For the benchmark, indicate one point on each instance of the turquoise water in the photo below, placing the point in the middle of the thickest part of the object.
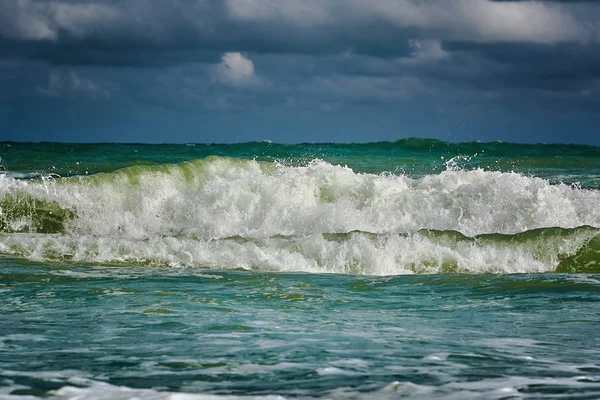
(414, 269)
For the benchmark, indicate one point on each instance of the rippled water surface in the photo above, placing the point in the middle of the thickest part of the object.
(414, 269)
(71, 331)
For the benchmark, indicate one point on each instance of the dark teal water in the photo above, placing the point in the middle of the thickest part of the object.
(414, 157)
(414, 269)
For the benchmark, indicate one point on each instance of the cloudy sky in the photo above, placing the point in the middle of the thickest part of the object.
(299, 70)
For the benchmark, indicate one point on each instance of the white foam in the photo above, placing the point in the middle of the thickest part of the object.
(104, 391)
(388, 254)
(174, 215)
(492, 388)
(222, 197)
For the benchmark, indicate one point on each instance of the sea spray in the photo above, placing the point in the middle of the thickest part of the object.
(285, 216)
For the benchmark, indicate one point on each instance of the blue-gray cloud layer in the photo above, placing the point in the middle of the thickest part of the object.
(456, 69)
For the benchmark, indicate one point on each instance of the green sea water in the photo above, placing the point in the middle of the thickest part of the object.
(413, 269)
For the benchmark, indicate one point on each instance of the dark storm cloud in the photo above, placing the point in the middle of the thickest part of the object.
(561, 67)
(143, 32)
(93, 53)
(220, 56)
(83, 31)
(520, 42)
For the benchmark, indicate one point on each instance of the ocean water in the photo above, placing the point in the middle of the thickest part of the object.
(410, 269)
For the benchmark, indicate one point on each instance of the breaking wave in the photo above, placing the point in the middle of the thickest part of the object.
(222, 212)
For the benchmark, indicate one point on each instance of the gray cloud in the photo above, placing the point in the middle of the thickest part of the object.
(45, 20)
(93, 32)
(476, 20)
(228, 55)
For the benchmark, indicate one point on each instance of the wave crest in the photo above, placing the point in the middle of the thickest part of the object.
(196, 204)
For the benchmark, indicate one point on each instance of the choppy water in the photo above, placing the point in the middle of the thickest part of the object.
(417, 269)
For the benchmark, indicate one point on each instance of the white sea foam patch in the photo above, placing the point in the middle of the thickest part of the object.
(94, 390)
(353, 253)
(221, 197)
(103, 391)
(491, 388)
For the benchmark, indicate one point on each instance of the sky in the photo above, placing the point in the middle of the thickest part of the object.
(290, 71)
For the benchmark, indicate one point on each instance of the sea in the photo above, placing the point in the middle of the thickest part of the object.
(415, 269)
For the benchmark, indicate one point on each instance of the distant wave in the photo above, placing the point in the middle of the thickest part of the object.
(414, 157)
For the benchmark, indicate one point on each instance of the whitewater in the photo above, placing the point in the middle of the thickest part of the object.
(222, 212)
